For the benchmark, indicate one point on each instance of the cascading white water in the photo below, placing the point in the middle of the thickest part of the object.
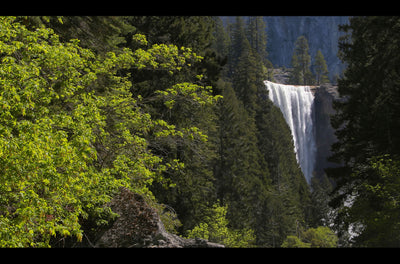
(296, 104)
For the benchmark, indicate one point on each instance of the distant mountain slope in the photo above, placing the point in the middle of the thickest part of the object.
(322, 33)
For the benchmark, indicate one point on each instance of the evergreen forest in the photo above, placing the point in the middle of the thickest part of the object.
(174, 108)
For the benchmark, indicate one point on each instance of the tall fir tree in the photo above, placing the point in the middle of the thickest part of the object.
(295, 76)
(238, 43)
(301, 63)
(221, 41)
(240, 176)
(320, 69)
(366, 124)
(257, 36)
(246, 80)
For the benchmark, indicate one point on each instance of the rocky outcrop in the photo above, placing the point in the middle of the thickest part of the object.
(140, 226)
(324, 97)
(281, 75)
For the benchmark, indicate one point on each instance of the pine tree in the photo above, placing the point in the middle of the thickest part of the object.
(221, 38)
(295, 76)
(320, 212)
(98, 33)
(301, 62)
(246, 80)
(321, 70)
(238, 43)
(274, 192)
(366, 126)
(257, 36)
(289, 199)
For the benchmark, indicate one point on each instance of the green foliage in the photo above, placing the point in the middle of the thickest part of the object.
(241, 182)
(295, 75)
(256, 169)
(215, 228)
(288, 200)
(90, 104)
(367, 126)
(48, 126)
(184, 102)
(100, 34)
(320, 237)
(301, 62)
(294, 242)
(71, 133)
(321, 70)
(375, 208)
(320, 212)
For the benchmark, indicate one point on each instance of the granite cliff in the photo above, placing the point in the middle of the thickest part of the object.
(322, 33)
(324, 97)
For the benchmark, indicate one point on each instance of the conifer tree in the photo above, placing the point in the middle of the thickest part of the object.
(257, 36)
(280, 197)
(118, 108)
(295, 74)
(246, 79)
(238, 42)
(367, 125)
(301, 62)
(98, 33)
(221, 41)
(320, 68)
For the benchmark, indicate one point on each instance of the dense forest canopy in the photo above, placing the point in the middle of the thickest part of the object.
(174, 108)
(367, 192)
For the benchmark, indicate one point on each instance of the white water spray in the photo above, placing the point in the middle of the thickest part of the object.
(296, 104)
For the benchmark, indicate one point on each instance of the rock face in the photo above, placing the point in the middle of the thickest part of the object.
(321, 32)
(281, 76)
(140, 226)
(325, 134)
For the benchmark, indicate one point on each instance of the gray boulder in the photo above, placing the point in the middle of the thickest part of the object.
(140, 226)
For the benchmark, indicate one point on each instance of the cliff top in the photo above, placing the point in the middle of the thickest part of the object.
(281, 76)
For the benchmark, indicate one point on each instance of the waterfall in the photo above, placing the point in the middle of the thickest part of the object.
(296, 104)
